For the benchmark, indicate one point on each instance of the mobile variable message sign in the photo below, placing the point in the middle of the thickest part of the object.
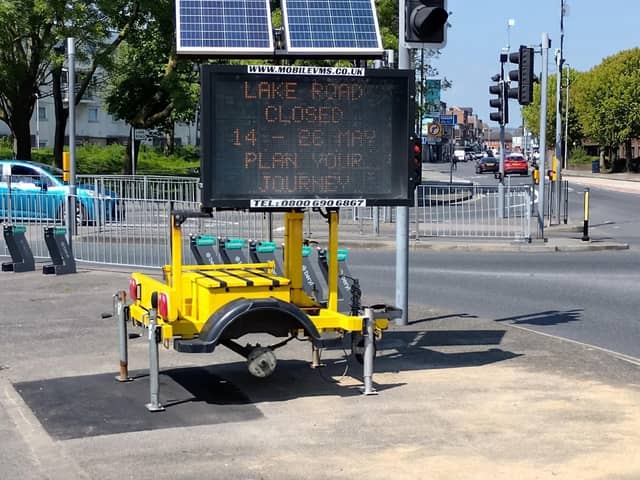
(284, 137)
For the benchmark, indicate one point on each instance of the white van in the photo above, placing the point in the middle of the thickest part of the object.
(459, 154)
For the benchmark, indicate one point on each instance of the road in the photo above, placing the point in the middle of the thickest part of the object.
(589, 297)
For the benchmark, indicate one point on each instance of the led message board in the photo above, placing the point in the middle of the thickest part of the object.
(281, 137)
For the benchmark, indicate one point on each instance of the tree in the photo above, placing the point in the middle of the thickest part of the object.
(609, 104)
(30, 58)
(98, 29)
(150, 87)
(26, 38)
(531, 113)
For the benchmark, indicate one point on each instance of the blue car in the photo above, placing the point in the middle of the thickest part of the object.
(38, 193)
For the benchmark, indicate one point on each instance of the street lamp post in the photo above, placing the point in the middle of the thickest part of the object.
(510, 23)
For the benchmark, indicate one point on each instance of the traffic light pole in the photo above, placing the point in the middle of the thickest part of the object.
(542, 147)
(505, 109)
(402, 214)
(501, 202)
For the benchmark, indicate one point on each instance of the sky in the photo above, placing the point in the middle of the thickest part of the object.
(593, 30)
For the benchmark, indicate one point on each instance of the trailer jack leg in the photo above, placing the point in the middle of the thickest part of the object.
(369, 352)
(154, 404)
(120, 312)
(315, 356)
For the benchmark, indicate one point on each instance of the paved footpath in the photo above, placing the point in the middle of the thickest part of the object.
(460, 397)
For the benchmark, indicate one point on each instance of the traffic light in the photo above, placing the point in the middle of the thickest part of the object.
(501, 102)
(524, 75)
(425, 23)
(416, 159)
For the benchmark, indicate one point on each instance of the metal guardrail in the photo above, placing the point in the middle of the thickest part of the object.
(151, 187)
(459, 210)
(116, 227)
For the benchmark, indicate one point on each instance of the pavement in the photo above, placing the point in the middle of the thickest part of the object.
(459, 397)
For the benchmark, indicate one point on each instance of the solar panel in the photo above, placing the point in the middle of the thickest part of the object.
(223, 27)
(331, 26)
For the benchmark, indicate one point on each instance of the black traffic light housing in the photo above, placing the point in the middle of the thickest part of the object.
(524, 75)
(501, 102)
(425, 23)
(416, 159)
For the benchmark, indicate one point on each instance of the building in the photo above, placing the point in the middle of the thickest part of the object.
(93, 124)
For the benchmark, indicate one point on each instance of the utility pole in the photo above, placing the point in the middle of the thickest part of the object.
(542, 147)
(560, 156)
(558, 145)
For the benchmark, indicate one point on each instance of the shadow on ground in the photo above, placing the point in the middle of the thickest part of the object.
(546, 318)
(83, 406)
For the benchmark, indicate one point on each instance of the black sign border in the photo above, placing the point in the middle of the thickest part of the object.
(402, 153)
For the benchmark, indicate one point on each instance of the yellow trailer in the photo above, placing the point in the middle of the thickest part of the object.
(199, 307)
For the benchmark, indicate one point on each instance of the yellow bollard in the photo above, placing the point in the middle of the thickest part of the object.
(585, 227)
(66, 166)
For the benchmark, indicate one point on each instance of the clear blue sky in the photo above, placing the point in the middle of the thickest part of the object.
(593, 30)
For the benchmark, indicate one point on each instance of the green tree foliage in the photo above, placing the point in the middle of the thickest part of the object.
(27, 36)
(531, 113)
(150, 87)
(388, 21)
(608, 102)
(31, 31)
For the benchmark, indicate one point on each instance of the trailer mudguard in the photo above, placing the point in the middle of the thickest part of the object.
(248, 315)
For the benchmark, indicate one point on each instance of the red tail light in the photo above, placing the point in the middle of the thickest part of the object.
(133, 290)
(163, 305)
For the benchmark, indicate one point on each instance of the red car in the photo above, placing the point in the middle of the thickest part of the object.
(515, 163)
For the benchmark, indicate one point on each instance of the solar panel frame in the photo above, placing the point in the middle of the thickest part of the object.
(338, 31)
(224, 28)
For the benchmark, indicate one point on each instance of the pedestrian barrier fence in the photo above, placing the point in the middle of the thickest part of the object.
(126, 221)
(150, 187)
(461, 210)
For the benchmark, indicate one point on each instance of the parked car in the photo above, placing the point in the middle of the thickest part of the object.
(487, 164)
(515, 163)
(38, 193)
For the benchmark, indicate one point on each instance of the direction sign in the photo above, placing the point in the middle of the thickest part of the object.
(448, 119)
(139, 134)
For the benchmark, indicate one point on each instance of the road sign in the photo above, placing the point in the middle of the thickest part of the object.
(448, 119)
(140, 134)
(299, 138)
(434, 129)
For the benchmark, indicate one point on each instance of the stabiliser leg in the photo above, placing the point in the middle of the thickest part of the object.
(120, 312)
(369, 352)
(154, 404)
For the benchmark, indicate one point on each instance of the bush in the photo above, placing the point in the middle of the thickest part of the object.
(108, 160)
(579, 156)
(100, 160)
(152, 161)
